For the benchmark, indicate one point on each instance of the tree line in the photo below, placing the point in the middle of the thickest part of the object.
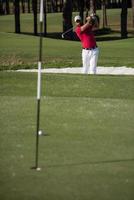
(7, 7)
(67, 7)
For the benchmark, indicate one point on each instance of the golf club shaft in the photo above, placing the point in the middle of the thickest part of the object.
(68, 31)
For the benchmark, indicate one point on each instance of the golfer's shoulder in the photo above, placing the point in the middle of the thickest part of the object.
(86, 27)
(78, 29)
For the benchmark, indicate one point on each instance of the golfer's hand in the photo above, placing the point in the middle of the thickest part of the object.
(89, 19)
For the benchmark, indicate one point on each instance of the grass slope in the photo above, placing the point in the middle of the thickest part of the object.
(21, 51)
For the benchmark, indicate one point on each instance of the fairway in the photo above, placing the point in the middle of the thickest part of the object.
(88, 152)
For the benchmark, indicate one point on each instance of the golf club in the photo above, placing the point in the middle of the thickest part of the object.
(69, 30)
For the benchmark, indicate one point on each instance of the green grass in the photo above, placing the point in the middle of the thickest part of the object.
(88, 153)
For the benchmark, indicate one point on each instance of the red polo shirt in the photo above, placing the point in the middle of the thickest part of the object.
(87, 37)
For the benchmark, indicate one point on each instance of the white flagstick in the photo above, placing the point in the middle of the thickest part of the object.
(41, 10)
(39, 86)
(39, 81)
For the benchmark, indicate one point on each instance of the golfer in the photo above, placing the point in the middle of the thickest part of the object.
(90, 50)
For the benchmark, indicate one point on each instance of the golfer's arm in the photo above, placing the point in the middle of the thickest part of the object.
(85, 26)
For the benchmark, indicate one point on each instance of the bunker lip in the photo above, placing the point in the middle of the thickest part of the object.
(78, 70)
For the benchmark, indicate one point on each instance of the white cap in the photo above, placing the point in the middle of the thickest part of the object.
(77, 18)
